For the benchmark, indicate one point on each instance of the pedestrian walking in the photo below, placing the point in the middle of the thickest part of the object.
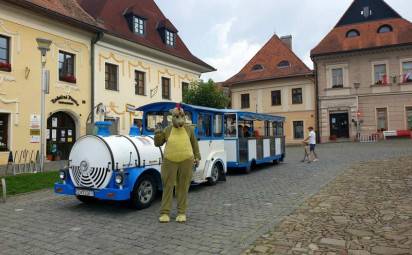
(306, 157)
(312, 144)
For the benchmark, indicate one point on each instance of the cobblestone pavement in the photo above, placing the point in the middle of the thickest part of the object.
(224, 219)
(367, 210)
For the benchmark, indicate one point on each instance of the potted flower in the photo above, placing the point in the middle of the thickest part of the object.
(68, 78)
(4, 66)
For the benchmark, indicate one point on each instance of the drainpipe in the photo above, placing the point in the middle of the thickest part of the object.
(317, 102)
(96, 39)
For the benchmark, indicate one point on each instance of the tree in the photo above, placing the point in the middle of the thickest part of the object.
(205, 94)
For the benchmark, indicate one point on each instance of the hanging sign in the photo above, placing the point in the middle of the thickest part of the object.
(65, 99)
(130, 108)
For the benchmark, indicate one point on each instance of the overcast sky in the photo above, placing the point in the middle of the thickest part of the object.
(228, 33)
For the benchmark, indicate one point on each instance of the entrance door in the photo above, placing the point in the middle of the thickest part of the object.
(61, 136)
(339, 125)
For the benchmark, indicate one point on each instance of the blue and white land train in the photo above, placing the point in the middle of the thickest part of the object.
(127, 168)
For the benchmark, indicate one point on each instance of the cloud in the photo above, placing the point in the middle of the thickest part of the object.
(230, 56)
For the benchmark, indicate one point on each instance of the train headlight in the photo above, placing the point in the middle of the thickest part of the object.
(119, 179)
(62, 175)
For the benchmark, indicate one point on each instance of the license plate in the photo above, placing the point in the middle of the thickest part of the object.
(84, 192)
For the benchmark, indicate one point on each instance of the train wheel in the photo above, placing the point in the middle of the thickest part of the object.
(143, 193)
(215, 175)
(86, 200)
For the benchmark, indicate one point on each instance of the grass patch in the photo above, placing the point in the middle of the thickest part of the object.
(24, 183)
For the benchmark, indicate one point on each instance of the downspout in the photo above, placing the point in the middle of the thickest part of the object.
(317, 102)
(96, 39)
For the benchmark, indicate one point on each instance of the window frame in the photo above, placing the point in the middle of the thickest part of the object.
(141, 23)
(294, 102)
(109, 81)
(243, 100)
(139, 89)
(7, 64)
(389, 27)
(257, 68)
(164, 95)
(349, 33)
(211, 131)
(386, 120)
(407, 109)
(302, 136)
(6, 130)
(283, 66)
(214, 126)
(280, 97)
(383, 81)
(66, 76)
(335, 86)
(170, 38)
(403, 78)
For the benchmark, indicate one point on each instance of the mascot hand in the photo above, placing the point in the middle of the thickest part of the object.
(196, 162)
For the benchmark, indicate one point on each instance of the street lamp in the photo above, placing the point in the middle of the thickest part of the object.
(44, 47)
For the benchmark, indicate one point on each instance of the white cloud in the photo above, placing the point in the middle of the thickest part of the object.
(230, 57)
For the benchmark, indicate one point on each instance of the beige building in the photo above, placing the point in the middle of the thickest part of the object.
(140, 59)
(364, 73)
(275, 81)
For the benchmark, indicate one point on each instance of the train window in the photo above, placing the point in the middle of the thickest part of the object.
(157, 120)
(204, 125)
(230, 125)
(218, 125)
(280, 128)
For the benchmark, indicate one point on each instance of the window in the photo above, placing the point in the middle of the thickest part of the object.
(204, 125)
(385, 29)
(66, 67)
(230, 125)
(382, 119)
(257, 67)
(245, 103)
(297, 96)
(165, 88)
(337, 78)
(352, 33)
(298, 130)
(4, 132)
(170, 38)
(380, 74)
(139, 25)
(407, 72)
(139, 88)
(185, 88)
(218, 125)
(283, 64)
(158, 120)
(111, 77)
(5, 54)
(276, 97)
(408, 118)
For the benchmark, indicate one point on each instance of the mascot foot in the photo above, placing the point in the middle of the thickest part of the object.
(181, 218)
(164, 218)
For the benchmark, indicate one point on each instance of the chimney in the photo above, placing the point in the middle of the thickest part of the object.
(287, 40)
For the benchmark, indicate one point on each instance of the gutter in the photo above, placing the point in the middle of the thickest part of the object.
(318, 120)
(93, 43)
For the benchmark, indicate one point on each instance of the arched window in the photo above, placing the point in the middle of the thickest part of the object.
(283, 64)
(385, 29)
(352, 33)
(257, 67)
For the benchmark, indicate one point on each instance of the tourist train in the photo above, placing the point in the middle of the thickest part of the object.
(127, 168)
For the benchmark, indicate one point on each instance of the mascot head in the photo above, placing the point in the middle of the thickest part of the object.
(178, 116)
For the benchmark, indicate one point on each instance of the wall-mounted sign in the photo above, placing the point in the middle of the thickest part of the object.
(130, 108)
(34, 128)
(65, 99)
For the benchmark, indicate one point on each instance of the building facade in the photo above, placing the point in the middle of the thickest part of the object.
(275, 81)
(364, 73)
(68, 101)
(139, 60)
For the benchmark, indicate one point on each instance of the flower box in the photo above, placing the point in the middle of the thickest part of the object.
(5, 67)
(68, 78)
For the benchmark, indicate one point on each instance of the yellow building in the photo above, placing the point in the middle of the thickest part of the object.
(140, 59)
(275, 81)
(69, 100)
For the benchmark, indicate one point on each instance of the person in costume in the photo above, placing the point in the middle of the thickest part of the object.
(180, 154)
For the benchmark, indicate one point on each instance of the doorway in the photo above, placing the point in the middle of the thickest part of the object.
(339, 125)
(61, 135)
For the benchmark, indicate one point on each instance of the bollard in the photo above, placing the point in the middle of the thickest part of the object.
(3, 185)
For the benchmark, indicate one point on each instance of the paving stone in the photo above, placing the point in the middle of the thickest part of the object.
(390, 250)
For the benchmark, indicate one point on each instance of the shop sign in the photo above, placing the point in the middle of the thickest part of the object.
(130, 108)
(65, 99)
(34, 128)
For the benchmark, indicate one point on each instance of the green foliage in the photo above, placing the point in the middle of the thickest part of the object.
(24, 183)
(205, 94)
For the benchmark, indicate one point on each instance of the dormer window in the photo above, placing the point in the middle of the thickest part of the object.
(170, 38)
(352, 33)
(139, 25)
(257, 67)
(385, 29)
(284, 64)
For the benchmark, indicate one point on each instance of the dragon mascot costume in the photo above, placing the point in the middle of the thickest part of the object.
(180, 155)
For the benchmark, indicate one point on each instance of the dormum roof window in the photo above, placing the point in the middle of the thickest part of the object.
(283, 64)
(257, 67)
(139, 25)
(168, 32)
(385, 29)
(170, 38)
(352, 33)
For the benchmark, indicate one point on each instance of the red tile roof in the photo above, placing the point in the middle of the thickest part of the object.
(112, 14)
(67, 10)
(336, 41)
(272, 53)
